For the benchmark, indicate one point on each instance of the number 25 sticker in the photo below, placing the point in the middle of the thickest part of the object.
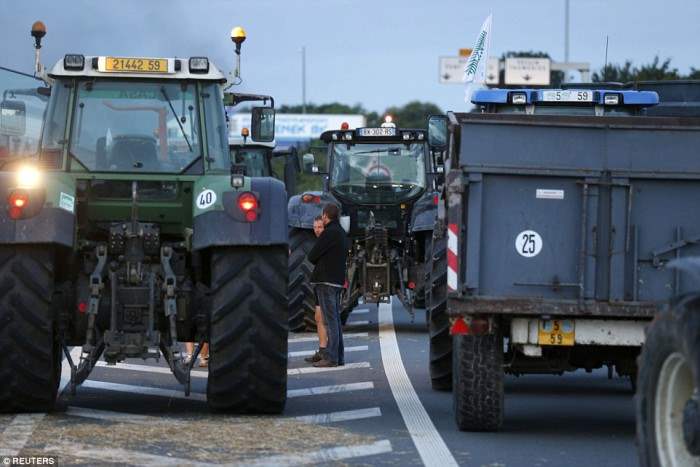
(528, 243)
(206, 199)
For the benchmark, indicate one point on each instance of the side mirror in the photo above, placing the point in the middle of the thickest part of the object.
(13, 117)
(437, 132)
(263, 124)
(309, 163)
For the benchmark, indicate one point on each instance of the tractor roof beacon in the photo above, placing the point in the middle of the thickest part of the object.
(384, 180)
(129, 233)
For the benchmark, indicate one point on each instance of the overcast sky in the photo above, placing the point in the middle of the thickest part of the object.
(373, 52)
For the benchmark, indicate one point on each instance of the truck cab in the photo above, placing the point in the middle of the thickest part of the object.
(255, 159)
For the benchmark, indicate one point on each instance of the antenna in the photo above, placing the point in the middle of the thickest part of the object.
(605, 68)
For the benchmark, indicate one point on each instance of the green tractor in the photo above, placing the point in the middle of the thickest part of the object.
(130, 232)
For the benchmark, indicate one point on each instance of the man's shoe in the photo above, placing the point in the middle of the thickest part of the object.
(317, 357)
(325, 363)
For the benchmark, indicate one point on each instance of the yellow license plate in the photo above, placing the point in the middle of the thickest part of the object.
(556, 332)
(136, 65)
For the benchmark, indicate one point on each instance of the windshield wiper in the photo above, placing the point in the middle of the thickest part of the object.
(179, 123)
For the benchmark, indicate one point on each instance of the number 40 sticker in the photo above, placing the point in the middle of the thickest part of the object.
(528, 243)
(206, 198)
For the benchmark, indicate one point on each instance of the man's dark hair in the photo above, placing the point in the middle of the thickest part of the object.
(331, 211)
(318, 218)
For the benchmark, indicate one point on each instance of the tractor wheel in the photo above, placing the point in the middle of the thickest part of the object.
(478, 382)
(30, 366)
(248, 330)
(439, 324)
(302, 302)
(667, 401)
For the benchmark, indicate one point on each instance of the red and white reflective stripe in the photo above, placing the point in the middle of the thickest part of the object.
(452, 263)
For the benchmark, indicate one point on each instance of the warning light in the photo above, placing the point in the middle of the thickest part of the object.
(248, 204)
(345, 126)
(82, 307)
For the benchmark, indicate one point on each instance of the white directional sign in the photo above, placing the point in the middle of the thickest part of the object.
(492, 70)
(452, 70)
(527, 71)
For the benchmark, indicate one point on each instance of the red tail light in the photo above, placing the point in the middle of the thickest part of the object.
(248, 204)
(17, 201)
(436, 200)
(411, 285)
(309, 198)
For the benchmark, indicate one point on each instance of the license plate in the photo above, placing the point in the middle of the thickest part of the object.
(572, 95)
(377, 131)
(136, 65)
(556, 332)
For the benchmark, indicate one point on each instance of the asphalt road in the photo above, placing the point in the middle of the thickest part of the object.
(376, 410)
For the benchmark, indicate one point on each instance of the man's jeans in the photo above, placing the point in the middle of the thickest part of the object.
(329, 301)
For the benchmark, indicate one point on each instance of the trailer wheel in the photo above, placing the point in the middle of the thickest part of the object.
(248, 330)
(478, 382)
(30, 366)
(439, 324)
(667, 404)
(302, 302)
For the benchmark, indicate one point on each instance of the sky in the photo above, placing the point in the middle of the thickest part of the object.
(372, 52)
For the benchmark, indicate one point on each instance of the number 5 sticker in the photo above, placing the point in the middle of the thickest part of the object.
(528, 243)
(206, 199)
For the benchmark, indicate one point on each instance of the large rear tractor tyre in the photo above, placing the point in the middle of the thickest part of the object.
(248, 330)
(438, 322)
(478, 382)
(30, 354)
(667, 402)
(302, 301)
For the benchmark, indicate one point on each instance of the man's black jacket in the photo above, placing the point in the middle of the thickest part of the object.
(329, 255)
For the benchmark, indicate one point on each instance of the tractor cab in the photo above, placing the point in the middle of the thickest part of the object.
(588, 100)
(377, 166)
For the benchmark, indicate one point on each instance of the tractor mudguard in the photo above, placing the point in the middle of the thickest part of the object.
(227, 226)
(50, 220)
(301, 214)
(424, 213)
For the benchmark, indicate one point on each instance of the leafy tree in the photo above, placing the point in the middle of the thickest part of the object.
(694, 73)
(412, 115)
(657, 70)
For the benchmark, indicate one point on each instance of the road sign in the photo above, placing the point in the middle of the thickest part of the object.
(452, 70)
(493, 71)
(527, 71)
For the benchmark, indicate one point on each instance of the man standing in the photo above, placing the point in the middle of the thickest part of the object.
(329, 255)
(320, 327)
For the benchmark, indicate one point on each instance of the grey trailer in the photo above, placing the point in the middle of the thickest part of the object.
(559, 230)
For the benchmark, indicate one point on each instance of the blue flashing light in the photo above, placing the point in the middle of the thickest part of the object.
(534, 96)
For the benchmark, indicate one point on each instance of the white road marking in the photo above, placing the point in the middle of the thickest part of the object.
(334, 389)
(119, 417)
(144, 390)
(204, 374)
(200, 397)
(311, 369)
(124, 417)
(17, 433)
(150, 369)
(344, 416)
(431, 447)
(116, 455)
(314, 337)
(360, 311)
(324, 456)
(15, 436)
(351, 324)
(308, 353)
